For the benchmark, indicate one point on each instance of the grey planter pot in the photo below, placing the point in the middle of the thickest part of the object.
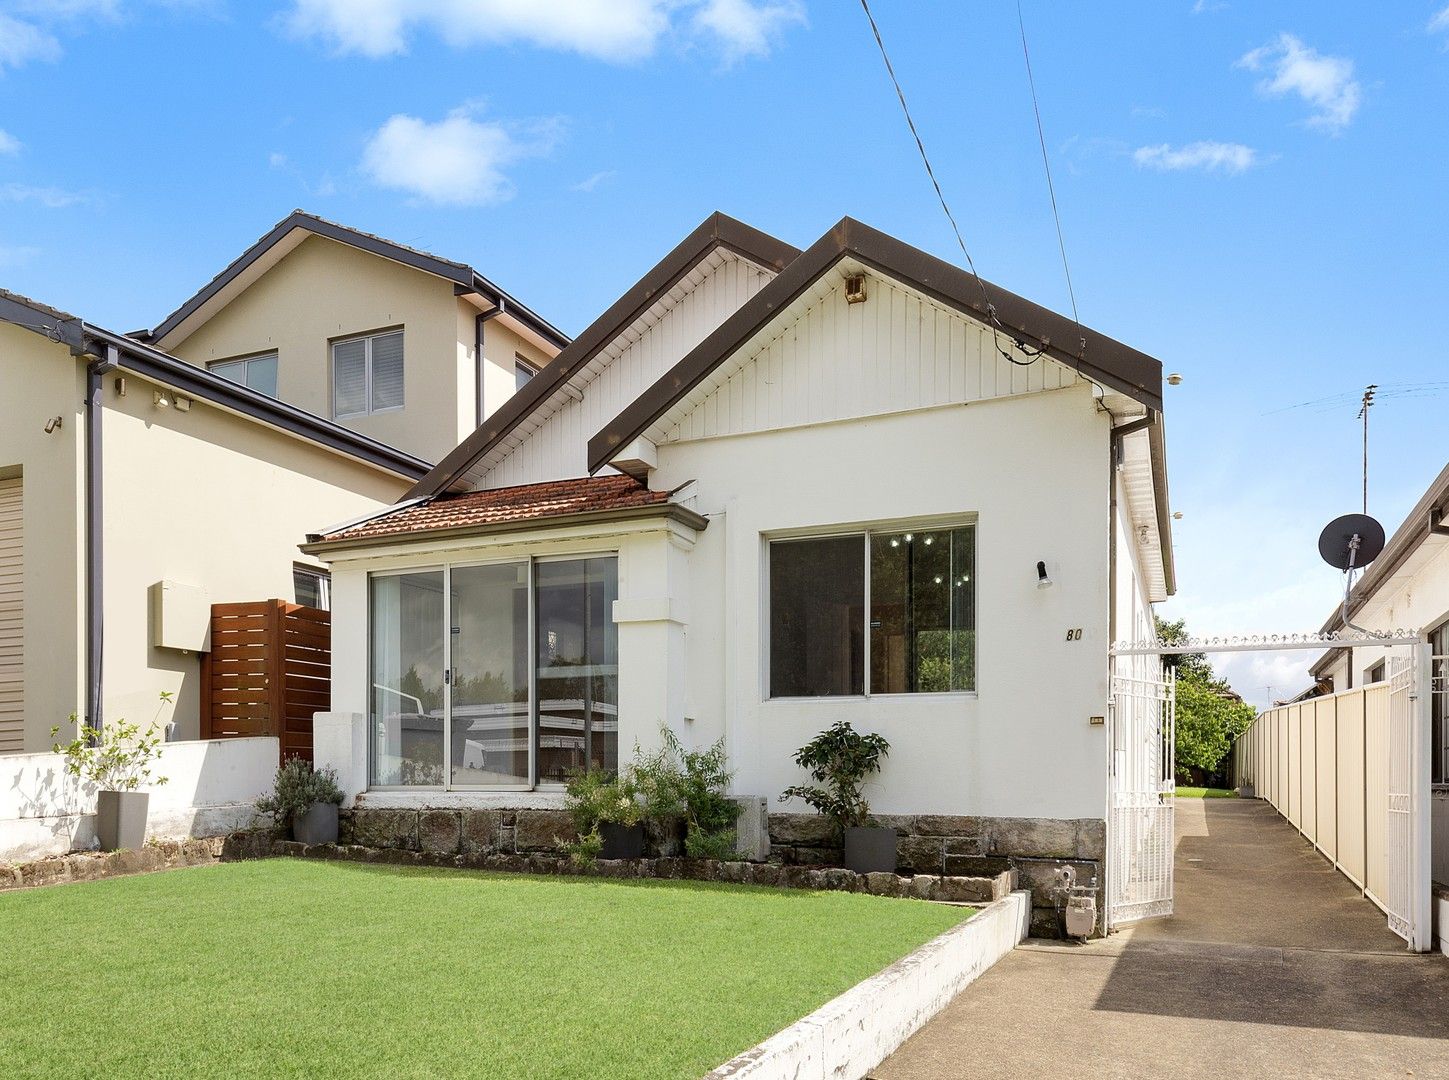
(318, 825)
(121, 819)
(870, 849)
(621, 841)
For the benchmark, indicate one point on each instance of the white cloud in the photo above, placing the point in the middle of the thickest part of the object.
(16, 256)
(50, 197)
(1230, 158)
(1207, 7)
(594, 181)
(458, 160)
(618, 31)
(9, 144)
(1440, 22)
(746, 29)
(22, 42)
(1324, 82)
(277, 160)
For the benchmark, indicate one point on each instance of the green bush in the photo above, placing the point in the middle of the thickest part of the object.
(840, 758)
(118, 758)
(297, 788)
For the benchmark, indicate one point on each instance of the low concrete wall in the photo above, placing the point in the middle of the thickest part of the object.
(848, 1037)
(211, 786)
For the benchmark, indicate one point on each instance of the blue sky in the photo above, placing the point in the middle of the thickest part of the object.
(1252, 192)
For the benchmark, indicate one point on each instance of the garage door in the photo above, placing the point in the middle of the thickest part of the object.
(12, 619)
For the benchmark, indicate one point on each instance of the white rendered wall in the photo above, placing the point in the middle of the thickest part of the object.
(210, 790)
(1032, 471)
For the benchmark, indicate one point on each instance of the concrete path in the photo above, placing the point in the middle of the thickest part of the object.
(1273, 966)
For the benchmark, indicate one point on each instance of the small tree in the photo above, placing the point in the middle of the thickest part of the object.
(839, 758)
(1209, 715)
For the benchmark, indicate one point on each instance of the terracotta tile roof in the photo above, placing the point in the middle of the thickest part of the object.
(510, 505)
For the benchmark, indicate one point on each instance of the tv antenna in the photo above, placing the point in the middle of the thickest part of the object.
(1363, 414)
(1350, 543)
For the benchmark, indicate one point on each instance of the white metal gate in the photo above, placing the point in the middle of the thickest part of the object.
(1140, 829)
(1406, 832)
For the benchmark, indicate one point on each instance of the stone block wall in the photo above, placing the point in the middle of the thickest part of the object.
(951, 845)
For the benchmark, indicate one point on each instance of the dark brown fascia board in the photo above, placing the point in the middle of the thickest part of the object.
(1157, 439)
(1417, 527)
(665, 511)
(716, 231)
(1111, 363)
(464, 277)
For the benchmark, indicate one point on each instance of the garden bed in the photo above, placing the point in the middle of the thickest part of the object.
(295, 966)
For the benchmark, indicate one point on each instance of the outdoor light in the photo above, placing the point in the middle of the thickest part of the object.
(895, 542)
(1174, 379)
(160, 400)
(1042, 580)
(929, 540)
(53, 423)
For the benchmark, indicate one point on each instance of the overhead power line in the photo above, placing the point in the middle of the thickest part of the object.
(1047, 166)
(995, 322)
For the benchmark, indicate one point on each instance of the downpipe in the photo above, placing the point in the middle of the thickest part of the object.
(96, 371)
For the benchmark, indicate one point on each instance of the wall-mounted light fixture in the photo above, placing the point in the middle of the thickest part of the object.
(1043, 579)
(161, 399)
(53, 423)
(183, 404)
(1174, 379)
(121, 385)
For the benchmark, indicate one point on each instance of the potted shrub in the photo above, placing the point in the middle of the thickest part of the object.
(117, 760)
(607, 816)
(306, 800)
(839, 760)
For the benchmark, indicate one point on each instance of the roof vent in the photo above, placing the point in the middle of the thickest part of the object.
(855, 289)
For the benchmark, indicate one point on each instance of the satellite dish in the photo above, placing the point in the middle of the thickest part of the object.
(1351, 542)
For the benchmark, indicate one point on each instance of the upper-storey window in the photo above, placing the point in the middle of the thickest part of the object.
(258, 373)
(523, 370)
(367, 374)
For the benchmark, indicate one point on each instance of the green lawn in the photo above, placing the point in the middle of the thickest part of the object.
(293, 968)
(1205, 793)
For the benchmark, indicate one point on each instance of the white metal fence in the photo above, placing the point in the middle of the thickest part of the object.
(1351, 773)
(1140, 829)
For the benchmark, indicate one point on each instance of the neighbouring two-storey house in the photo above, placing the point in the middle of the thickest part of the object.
(146, 477)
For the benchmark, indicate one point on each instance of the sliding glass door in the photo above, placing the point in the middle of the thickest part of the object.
(499, 676)
(489, 713)
(408, 670)
(578, 666)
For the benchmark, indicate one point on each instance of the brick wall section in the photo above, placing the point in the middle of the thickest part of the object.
(969, 846)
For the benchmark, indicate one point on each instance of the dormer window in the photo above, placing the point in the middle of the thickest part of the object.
(367, 375)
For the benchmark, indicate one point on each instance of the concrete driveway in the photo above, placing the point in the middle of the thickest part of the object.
(1273, 966)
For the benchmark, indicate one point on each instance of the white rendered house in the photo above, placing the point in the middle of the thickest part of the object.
(768, 490)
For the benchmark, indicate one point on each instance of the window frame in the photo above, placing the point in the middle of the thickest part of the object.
(323, 576)
(247, 359)
(864, 531)
(366, 338)
(522, 362)
(1438, 640)
(446, 567)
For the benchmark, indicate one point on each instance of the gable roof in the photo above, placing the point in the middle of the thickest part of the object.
(1096, 356)
(511, 508)
(715, 232)
(85, 339)
(466, 280)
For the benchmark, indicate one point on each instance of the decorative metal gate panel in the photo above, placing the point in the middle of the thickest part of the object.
(1406, 724)
(1140, 829)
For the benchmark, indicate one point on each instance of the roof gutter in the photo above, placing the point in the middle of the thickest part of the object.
(164, 368)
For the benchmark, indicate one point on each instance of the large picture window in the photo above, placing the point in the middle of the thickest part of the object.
(889, 611)
(495, 675)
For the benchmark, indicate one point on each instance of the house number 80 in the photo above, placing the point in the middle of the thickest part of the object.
(1074, 634)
